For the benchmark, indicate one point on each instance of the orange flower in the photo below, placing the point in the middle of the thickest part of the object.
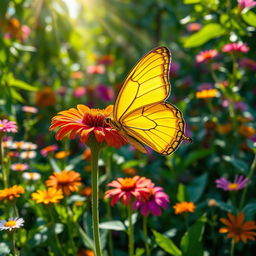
(85, 252)
(87, 154)
(62, 154)
(246, 131)
(129, 171)
(224, 128)
(184, 207)
(51, 195)
(87, 191)
(237, 228)
(83, 121)
(45, 97)
(207, 93)
(66, 181)
(11, 193)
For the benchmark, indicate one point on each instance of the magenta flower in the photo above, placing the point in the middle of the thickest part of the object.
(205, 56)
(246, 4)
(174, 68)
(105, 93)
(8, 126)
(152, 202)
(239, 183)
(236, 47)
(248, 63)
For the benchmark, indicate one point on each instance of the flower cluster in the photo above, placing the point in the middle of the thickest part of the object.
(140, 192)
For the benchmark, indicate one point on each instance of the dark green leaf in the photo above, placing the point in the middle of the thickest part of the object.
(166, 244)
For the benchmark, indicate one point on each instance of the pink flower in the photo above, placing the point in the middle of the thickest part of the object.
(96, 69)
(204, 56)
(79, 92)
(246, 4)
(193, 27)
(25, 32)
(240, 182)
(235, 47)
(126, 188)
(29, 109)
(19, 167)
(105, 93)
(152, 202)
(8, 126)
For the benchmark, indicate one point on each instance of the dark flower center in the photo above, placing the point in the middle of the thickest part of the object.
(97, 120)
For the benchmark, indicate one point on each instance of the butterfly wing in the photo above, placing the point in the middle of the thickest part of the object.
(159, 126)
(147, 84)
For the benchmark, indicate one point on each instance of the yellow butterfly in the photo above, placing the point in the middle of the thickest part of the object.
(141, 113)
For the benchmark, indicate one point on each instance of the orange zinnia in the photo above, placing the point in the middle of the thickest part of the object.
(237, 228)
(11, 193)
(184, 207)
(66, 181)
(83, 121)
(51, 195)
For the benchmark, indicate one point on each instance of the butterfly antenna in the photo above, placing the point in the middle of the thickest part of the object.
(187, 138)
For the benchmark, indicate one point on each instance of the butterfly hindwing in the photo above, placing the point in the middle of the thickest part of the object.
(147, 83)
(159, 126)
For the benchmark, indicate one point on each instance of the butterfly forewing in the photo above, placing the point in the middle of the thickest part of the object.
(147, 84)
(159, 126)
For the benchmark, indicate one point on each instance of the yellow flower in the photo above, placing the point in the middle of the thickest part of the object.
(51, 195)
(237, 228)
(207, 93)
(11, 193)
(184, 207)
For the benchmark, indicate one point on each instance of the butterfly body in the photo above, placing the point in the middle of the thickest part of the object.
(141, 113)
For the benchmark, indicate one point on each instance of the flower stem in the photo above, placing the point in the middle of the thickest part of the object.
(5, 176)
(252, 169)
(232, 248)
(15, 251)
(145, 231)
(95, 150)
(130, 231)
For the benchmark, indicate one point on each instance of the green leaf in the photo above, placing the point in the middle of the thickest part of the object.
(191, 1)
(113, 225)
(54, 165)
(166, 244)
(224, 206)
(194, 156)
(239, 164)
(250, 18)
(207, 33)
(139, 252)
(196, 187)
(15, 95)
(182, 193)
(21, 85)
(191, 242)
(250, 209)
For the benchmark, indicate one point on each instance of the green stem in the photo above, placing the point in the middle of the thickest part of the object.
(252, 169)
(145, 231)
(15, 251)
(130, 231)
(59, 248)
(4, 173)
(69, 225)
(232, 248)
(95, 150)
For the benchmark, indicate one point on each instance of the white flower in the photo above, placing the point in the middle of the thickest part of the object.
(11, 223)
(31, 175)
(29, 146)
(28, 154)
